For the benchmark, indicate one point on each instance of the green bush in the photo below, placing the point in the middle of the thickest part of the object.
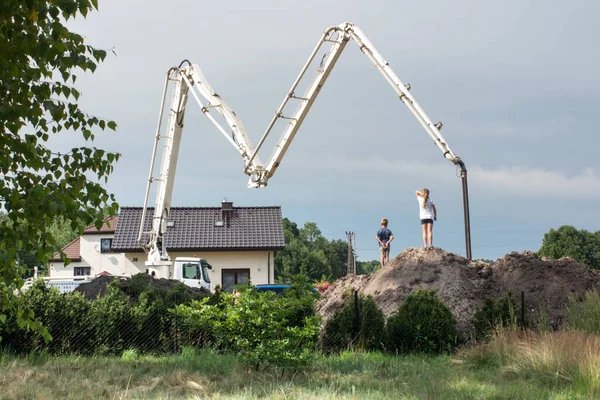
(422, 324)
(132, 315)
(300, 300)
(63, 317)
(584, 315)
(494, 313)
(340, 331)
(254, 326)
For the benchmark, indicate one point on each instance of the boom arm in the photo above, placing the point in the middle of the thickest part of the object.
(339, 36)
(189, 79)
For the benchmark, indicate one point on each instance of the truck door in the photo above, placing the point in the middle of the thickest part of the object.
(191, 274)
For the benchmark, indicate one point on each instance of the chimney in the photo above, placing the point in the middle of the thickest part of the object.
(226, 205)
(226, 210)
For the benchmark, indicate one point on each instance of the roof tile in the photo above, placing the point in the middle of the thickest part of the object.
(195, 228)
(72, 250)
(109, 226)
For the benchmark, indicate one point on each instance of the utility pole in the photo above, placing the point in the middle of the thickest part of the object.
(354, 248)
(351, 252)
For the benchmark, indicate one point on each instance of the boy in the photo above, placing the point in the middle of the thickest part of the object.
(384, 238)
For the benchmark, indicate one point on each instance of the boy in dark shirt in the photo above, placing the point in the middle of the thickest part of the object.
(384, 238)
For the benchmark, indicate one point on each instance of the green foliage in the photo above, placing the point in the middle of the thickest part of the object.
(133, 315)
(367, 267)
(254, 326)
(39, 62)
(584, 315)
(340, 331)
(307, 252)
(300, 301)
(494, 313)
(566, 241)
(422, 324)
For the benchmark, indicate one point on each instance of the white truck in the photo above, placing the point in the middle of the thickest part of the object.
(187, 79)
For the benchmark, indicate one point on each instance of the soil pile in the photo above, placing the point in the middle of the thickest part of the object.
(463, 285)
(546, 284)
(132, 287)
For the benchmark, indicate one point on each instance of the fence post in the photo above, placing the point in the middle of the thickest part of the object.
(175, 329)
(356, 316)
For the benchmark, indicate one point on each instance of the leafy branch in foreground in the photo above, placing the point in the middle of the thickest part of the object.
(39, 60)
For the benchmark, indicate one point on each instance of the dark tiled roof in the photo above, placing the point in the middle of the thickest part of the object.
(72, 250)
(194, 228)
(109, 226)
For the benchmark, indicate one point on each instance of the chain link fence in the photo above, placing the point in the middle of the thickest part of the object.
(86, 335)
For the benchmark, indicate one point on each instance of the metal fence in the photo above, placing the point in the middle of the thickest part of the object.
(360, 324)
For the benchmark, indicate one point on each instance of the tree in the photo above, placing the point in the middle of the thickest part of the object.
(567, 241)
(367, 267)
(309, 253)
(39, 62)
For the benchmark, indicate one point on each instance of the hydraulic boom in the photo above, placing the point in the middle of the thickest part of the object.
(188, 79)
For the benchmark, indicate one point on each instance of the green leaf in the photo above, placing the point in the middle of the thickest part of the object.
(112, 125)
(38, 187)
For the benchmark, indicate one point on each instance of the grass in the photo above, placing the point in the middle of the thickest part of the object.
(568, 359)
(209, 375)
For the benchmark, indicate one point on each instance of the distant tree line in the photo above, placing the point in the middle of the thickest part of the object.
(567, 241)
(309, 253)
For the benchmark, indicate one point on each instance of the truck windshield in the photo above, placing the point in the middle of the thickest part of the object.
(205, 273)
(190, 271)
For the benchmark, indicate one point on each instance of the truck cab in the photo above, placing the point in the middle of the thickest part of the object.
(192, 272)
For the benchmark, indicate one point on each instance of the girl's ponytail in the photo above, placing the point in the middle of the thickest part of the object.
(425, 197)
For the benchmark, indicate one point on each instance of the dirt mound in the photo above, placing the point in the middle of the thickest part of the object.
(132, 287)
(546, 284)
(96, 287)
(463, 285)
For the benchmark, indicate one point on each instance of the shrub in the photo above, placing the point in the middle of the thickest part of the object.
(322, 285)
(64, 318)
(133, 315)
(341, 333)
(584, 315)
(300, 301)
(422, 324)
(494, 313)
(254, 325)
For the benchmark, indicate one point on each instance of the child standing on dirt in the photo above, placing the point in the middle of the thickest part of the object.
(384, 238)
(428, 214)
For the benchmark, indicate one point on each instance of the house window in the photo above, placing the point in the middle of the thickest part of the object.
(105, 245)
(82, 271)
(233, 277)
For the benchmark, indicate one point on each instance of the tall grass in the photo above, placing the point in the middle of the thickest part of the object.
(566, 357)
(584, 315)
(570, 356)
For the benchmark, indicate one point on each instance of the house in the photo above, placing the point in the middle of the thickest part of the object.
(90, 253)
(240, 243)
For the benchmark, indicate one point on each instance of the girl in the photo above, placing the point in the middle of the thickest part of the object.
(428, 214)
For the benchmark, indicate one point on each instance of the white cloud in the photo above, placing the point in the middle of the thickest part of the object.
(537, 182)
(524, 181)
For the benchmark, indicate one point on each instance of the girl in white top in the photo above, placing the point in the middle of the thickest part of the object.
(428, 214)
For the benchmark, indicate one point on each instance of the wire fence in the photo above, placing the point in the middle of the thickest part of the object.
(360, 324)
(364, 325)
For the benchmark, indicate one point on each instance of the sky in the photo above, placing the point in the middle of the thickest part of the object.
(514, 83)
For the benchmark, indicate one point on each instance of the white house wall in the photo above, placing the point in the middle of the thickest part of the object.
(260, 263)
(58, 269)
(91, 257)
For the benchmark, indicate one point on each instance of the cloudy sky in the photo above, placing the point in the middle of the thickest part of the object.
(514, 82)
